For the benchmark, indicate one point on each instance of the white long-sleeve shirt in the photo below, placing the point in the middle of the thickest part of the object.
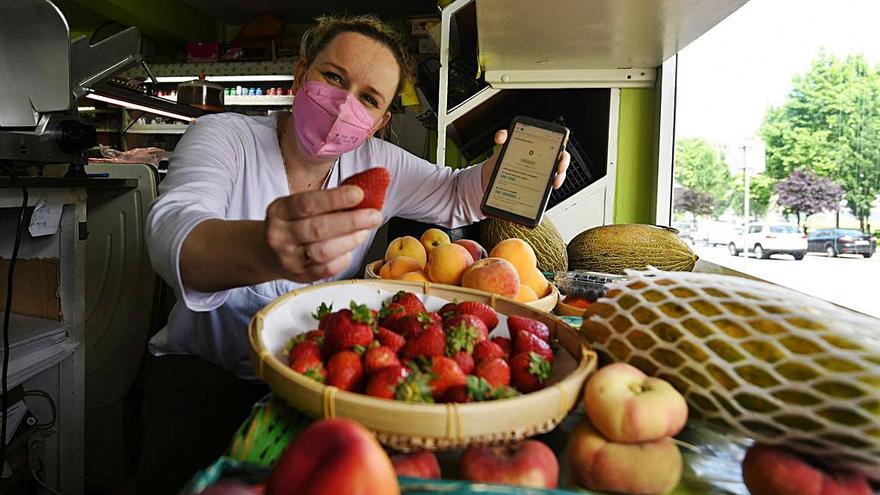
(229, 166)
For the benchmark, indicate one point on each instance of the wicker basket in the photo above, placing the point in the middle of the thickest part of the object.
(563, 309)
(546, 303)
(409, 427)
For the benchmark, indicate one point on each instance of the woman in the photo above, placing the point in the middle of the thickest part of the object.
(251, 209)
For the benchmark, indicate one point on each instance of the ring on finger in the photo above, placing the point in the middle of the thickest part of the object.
(307, 255)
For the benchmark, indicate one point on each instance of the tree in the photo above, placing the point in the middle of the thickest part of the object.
(805, 193)
(760, 192)
(694, 202)
(700, 168)
(830, 123)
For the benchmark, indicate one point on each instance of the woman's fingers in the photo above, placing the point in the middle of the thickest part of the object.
(561, 169)
(326, 251)
(330, 268)
(501, 136)
(311, 203)
(331, 225)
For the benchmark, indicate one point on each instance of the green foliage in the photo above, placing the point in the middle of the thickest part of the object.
(830, 123)
(760, 192)
(700, 168)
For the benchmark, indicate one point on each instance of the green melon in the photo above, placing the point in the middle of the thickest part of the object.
(616, 248)
(545, 239)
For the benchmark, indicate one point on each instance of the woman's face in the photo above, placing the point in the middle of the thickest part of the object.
(360, 65)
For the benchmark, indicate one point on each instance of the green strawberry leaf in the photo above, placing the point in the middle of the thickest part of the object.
(415, 389)
(539, 367)
(314, 374)
(461, 338)
(504, 392)
(386, 310)
(322, 311)
(361, 313)
(424, 318)
(478, 388)
(359, 350)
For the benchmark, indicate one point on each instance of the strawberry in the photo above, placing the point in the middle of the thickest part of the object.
(348, 328)
(383, 383)
(518, 324)
(529, 342)
(465, 361)
(378, 358)
(374, 182)
(488, 350)
(390, 314)
(430, 343)
(505, 344)
(529, 371)
(311, 367)
(412, 325)
(316, 336)
(415, 388)
(448, 309)
(303, 349)
(390, 339)
(345, 371)
(457, 394)
(445, 374)
(495, 371)
(321, 313)
(464, 331)
(480, 310)
(411, 303)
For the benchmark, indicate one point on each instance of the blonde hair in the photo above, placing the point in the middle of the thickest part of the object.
(328, 27)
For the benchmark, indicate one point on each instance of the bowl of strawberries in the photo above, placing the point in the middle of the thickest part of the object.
(424, 366)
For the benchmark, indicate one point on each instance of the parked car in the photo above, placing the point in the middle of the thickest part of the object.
(685, 231)
(766, 239)
(719, 233)
(841, 241)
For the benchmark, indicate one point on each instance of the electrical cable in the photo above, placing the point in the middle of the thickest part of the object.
(4, 399)
(43, 483)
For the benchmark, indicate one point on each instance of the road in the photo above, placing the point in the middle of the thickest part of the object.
(849, 281)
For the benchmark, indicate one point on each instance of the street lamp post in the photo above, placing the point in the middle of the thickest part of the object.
(746, 180)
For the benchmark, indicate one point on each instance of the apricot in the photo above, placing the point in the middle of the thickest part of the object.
(447, 263)
(492, 275)
(526, 294)
(434, 238)
(519, 253)
(414, 277)
(407, 246)
(398, 266)
(536, 281)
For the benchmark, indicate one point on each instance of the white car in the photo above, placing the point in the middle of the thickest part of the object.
(719, 233)
(765, 239)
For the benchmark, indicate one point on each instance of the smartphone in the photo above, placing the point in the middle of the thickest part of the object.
(523, 177)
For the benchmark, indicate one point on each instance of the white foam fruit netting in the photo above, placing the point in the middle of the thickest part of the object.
(777, 365)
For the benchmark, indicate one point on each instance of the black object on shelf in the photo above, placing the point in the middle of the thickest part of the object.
(578, 175)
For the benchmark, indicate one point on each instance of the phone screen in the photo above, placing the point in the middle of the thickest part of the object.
(527, 164)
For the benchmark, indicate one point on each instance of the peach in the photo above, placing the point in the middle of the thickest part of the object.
(447, 263)
(407, 246)
(769, 470)
(331, 457)
(473, 247)
(433, 238)
(530, 463)
(492, 275)
(414, 277)
(518, 252)
(396, 267)
(526, 294)
(537, 282)
(628, 406)
(644, 468)
(418, 465)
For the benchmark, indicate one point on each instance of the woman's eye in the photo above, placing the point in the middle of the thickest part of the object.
(370, 100)
(332, 76)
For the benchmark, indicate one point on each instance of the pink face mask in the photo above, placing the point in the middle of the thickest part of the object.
(329, 121)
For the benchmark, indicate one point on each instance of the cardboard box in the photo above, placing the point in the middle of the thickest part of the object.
(36, 288)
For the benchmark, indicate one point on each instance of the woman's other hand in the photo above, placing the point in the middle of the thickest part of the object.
(500, 138)
(312, 235)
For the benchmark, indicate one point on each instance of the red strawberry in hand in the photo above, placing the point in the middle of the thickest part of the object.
(495, 371)
(390, 339)
(411, 303)
(529, 342)
(529, 371)
(430, 343)
(310, 366)
(488, 350)
(517, 324)
(465, 361)
(348, 328)
(378, 358)
(505, 344)
(446, 374)
(345, 371)
(384, 382)
(481, 311)
(374, 182)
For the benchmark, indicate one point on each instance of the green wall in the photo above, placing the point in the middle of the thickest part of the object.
(635, 196)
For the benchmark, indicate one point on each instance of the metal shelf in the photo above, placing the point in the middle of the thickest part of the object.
(254, 78)
(158, 129)
(258, 101)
